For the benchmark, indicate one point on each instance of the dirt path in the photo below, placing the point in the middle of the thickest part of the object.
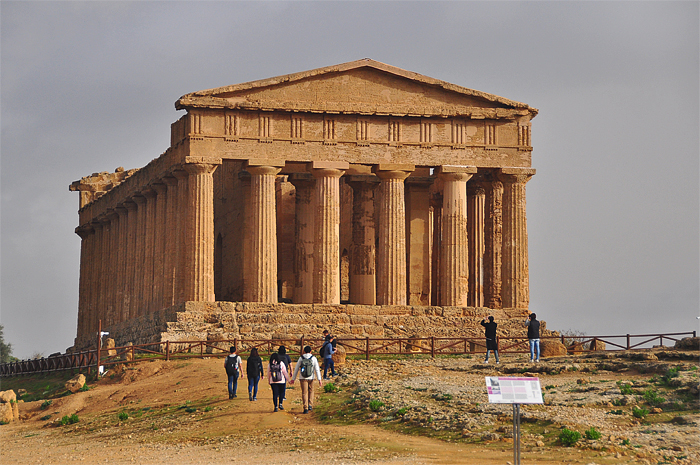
(179, 413)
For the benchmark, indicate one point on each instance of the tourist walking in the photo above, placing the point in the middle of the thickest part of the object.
(533, 335)
(307, 370)
(284, 357)
(254, 371)
(327, 351)
(491, 341)
(232, 365)
(277, 376)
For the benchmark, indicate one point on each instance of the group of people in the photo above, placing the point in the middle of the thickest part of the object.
(533, 336)
(307, 370)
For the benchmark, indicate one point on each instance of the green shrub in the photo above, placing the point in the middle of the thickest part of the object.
(123, 416)
(625, 442)
(617, 402)
(640, 412)
(190, 410)
(615, 412)
(45, 417)
(330, 387)
(375, 405)
(208, 409)
(592, 433)
(402, 411)
(85, 388)
(46, 404)
(69, 420)
(670, 374)
(653, 398)
(625, 389)
(569, 437)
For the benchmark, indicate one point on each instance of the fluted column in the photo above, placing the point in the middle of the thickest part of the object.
(391, 246)
(111, 276)
(493, 243)
(170, 247)
(304, 235)
(363, 277)
(159, 232)
(138, 277)
(199, 264)
(263, 235)
(149, 245)
(476, 197)
(418, 239)
(454, 271)
(105, 284)
(181, 236)
(436, 210)
(327, 235)
(130, 288)
(86, 233)
(120, 263)
(95, 278)
(516, 279)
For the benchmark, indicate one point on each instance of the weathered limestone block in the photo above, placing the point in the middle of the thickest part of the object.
(6, 413)
(75, 383)
(129, 355)
(108, 348)
(339, 355)
(7, 397)
(688, 343)
(551, 348)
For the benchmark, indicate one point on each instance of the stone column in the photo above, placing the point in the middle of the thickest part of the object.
(246, 248)
(105, 284)
(436, 210)
(476, 197)
(304, 233)
(493, 240)
(130, 291)
(419, 240)
(149, 245)
(516, 279)
(138, 277)
(454, 272)
(120, 277)
(363, 277)
(159, 232)
(199, 258)
(170, 247)
(180, 272)
(95, 277)
(262, 282)
(391, 224)
(327, 233)
(111, 277)
(86, 233)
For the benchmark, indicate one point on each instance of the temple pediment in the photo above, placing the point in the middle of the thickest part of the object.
(359, 87)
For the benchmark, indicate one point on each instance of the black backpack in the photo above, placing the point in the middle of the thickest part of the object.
(231, 365)
(276, 372)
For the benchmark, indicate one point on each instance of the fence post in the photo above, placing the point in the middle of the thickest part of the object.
(367, 348)
(167, 351)
(562, 340)
(301, 345)
(628, 342)
(432, 346)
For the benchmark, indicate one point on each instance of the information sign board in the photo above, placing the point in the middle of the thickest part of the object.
(514, 390)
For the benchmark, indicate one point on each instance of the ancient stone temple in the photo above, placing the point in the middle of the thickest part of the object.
(360, 197)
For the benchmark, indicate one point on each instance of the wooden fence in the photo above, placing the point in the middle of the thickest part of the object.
(364, 347)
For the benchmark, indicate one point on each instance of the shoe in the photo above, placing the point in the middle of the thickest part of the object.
(486, 361)
(255, 398)
(310, 408)
(230, 396)
(537, 361)
(305, 411)
(497, 362)
(275, 409)
(281, 408)
(250, 397)
(326, 377)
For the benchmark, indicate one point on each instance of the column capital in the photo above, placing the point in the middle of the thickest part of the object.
(301, 180)
(393, 170)
(456, 173)
(515, 175)
(130, 205)
(84, 230)
(121, 210)
(180, 174)
(110, 214)
(326, 172)
(170, 181)
(263, 170)
(139, 199)
(362, 181)
(159, 187)
(148, 192)
(200, 168)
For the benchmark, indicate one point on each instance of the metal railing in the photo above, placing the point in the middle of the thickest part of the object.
(367, 347)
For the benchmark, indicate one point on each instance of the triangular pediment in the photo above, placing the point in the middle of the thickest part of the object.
(362, 87)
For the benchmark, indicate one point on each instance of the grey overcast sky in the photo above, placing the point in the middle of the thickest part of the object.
(613, 214)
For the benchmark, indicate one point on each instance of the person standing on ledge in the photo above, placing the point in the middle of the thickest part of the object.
(533, 334)
(232, 365)
(491, 342)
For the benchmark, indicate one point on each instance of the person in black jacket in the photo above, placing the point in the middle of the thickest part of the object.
(254, 371)
(533, 335)
(284, 357)
(491, 342)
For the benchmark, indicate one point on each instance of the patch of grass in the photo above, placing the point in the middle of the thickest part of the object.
(625, 388)
(45, 417)
(46, 404)
(625, 442)
(375, 405)
(615, 412)
(550, 386)
(38, 386)
(443, 397)
(402, 411)
(592, 434)
(330, 388)
(85, 388)
(640, 412)
(69, 419)
(670, 374)
(123, 416)
(569, 437)
(652, 398)
(617, 402)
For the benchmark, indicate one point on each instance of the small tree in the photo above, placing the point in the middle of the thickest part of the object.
(5, 349)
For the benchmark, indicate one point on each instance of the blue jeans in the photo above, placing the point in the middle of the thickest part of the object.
(328, 363)
(253, 386)
(232, 384)
(495, 352)
(534, 343)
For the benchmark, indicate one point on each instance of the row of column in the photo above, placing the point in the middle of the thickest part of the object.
(153, 250)
(479, 241)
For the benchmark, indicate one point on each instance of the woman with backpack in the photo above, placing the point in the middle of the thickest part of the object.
(277, 377)
(232, 365)
(307, 370)
(254, 371)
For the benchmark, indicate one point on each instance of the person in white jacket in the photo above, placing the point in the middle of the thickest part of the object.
(277, 376)
(307, 369)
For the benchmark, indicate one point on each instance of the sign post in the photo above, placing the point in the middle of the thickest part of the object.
(514, 391)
